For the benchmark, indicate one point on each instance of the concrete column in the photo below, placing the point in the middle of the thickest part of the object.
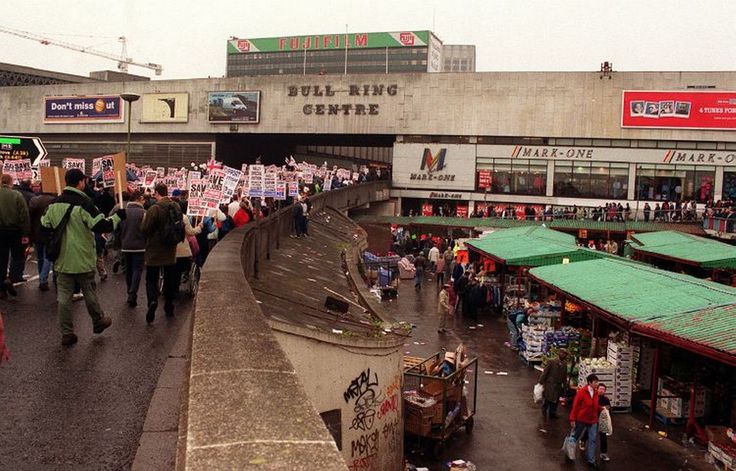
(471, 205)
(631, 194)
(718, 185)
(399, 209)
(550, 177)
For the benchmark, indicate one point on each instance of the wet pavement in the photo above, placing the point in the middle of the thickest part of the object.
(80, 407)
(509, 431)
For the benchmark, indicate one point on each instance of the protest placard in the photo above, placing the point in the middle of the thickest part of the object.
(68, 163)
(96, 165)
(280, 190)
(149, 179)
(52, 179)
(327, 184)
(195, 205)
(308, 177)
(230, 183)
(293, 188)
(161, 172)
(255, 180)
(107, 166)
(269, 185)
(213, 192)
(19, 169)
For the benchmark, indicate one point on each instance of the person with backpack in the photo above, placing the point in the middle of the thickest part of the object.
(14, 230)
(163, 226)
(71, 223)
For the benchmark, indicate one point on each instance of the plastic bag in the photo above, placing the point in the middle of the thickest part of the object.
(538, 392)
(569, 446)
(605, 424)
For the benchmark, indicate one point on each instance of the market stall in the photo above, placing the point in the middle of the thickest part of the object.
(697, 256)
(670, 339)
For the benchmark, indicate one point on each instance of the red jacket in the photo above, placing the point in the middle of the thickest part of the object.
(241, 218)
(585, 409)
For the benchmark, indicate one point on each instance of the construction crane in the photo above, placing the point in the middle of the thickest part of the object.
(123, 61)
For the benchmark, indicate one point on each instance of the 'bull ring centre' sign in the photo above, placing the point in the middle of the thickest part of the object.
(334, 107)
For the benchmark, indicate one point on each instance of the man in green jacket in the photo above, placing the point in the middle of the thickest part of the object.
(78, 258)
(15, 226)
(160, 254)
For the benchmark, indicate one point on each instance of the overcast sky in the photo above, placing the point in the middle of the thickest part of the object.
(188, 37)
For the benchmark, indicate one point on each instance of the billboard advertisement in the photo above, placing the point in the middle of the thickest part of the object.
(165, 108)
(434, 166)
(83, 109)
(679, 109)
(329, 41)
(234, 107)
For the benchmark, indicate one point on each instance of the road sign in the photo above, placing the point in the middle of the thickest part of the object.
(20, 147)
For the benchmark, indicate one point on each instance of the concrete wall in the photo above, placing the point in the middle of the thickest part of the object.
(363, 381)
(543, 104)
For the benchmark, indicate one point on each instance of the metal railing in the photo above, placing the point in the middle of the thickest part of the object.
(719, 225)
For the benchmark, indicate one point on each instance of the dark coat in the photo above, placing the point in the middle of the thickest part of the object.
(131, 236)
(553, 379)
(158, 253)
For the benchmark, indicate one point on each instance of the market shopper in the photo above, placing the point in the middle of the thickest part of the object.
(604, 403)
(554, 379)
(443, 307)
(420, 264)
(584, 416)
(433, 256)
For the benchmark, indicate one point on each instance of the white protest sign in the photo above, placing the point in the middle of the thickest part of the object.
(69, 163)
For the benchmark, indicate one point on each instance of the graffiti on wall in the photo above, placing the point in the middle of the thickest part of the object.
(367, 398)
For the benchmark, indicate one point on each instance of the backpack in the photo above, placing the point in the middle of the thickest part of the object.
(52, 237)
(173, 230)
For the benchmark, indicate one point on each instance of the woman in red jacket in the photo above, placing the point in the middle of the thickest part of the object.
(584, 416)
(243, 215)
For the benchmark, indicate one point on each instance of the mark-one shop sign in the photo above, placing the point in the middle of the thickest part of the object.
(552, 152)
(432, 163)
(335, 109)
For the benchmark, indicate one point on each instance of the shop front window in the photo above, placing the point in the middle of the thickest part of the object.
(602, 180)
(516, 176)
(675, 182)
(729, 186)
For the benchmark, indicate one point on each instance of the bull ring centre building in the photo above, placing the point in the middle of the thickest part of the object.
(457, 139)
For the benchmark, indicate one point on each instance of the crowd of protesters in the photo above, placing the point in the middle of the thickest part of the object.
(149, 238)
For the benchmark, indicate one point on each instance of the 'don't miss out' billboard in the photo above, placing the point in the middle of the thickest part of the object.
(329, 41)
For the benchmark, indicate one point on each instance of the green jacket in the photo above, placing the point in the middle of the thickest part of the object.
(78, 254)
(13, 211)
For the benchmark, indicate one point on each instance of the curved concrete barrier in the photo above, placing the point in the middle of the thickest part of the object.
(245, 405)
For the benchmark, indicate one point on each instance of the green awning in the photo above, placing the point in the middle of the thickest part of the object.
(686, 248)
(680, 309)
(530, 247)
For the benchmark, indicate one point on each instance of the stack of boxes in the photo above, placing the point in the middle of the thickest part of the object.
(600, 367)
(646, 366)
(533, 341)
(675, 398)
(622, 357)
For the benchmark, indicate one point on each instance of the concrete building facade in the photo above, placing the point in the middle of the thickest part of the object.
(546, 137)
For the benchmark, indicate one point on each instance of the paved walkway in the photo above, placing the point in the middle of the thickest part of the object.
(510, 432)
(80, 407)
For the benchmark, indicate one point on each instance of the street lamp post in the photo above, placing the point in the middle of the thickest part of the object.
(129, 98)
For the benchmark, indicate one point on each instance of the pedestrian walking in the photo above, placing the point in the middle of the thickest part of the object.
(15, 228)
(604, 403)
(133, 245)
(584, 416)
(36, 208)
(553, 378)
(420, 264)
(77, 258)
(184, 251)
(164, 230)
(433, 256)
(443, 307)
